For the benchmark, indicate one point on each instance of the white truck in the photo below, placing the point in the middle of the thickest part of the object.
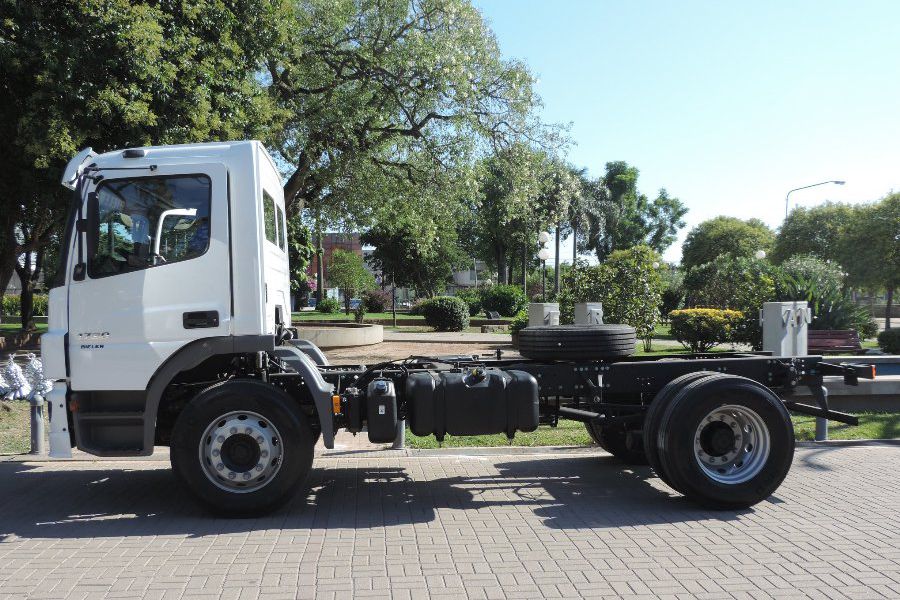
(170, 326)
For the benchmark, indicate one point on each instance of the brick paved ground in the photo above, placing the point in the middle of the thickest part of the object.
(452, 526)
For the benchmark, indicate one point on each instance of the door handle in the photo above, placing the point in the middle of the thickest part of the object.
(200, 319)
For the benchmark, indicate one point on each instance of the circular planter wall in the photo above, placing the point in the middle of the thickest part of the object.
(341, 335)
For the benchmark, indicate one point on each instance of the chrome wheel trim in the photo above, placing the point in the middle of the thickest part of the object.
(241, 452)
(744, 457)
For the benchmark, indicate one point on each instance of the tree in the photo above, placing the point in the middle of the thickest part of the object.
(621, 217)
(396, 88)
(125, 74)
(818, 230)
(738, 283)
(871, 248)
(424, 261)
(725, 235)
(348, 273)
(300, 253)
(627, 283)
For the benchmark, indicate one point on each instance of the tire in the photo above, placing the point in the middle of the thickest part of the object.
(624, 445)
(654, 416)
(242, 447)
(732, 419)
(577, 342)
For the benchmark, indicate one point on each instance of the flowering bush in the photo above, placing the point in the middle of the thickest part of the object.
(700, 329)
(376, 301)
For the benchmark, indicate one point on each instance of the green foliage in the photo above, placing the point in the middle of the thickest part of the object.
(504, 299)
(472, 298)
(819, 230)
(889, 340)
(376, 92)
(519, 322)
(701, 329)
(301, 251)
(10, 304)
(737, 283)
(673, 291)
(359, 313)
(620, 217)
(416, 253)
(871, 252)
(446, 313)
(329, 306)
(348, 272)
(821, 285)
(376, 300)
(725, 236)
(627, 284)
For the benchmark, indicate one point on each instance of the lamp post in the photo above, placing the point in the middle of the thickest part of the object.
(788, 196)
(543, 255)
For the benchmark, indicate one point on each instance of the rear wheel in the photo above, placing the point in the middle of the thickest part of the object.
(726, 442)
(654, 416)
(242, 447)
(623, 444)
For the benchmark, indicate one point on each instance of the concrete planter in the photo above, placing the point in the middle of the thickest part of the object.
(341, 335)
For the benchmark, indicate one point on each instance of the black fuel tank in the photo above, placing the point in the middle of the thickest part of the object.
(472, 402)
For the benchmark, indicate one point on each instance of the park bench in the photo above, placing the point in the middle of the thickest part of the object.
(822, 341)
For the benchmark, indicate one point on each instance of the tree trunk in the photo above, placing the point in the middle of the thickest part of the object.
(500, 255)
(26, 298)
(887, 309)
(525, 269)
(347, 295)
(574, 243)
(320, 271)
(556, 263)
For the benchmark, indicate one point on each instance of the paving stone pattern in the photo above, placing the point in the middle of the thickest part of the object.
(407, 525)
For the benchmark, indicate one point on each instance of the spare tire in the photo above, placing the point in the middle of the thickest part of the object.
(577, 342)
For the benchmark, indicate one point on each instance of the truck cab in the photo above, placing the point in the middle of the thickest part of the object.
(172, 254)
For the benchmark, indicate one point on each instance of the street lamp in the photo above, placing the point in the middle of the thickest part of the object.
(544, 254)
(788, 196)
(760, 254)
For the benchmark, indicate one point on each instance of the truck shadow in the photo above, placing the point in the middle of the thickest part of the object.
(568, 493)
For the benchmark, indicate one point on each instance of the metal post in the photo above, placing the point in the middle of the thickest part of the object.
(394, 299)
(37, 425)
(400, 437)
(543, 281)
(822, 422)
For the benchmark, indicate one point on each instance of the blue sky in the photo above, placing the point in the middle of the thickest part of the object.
(726, 105)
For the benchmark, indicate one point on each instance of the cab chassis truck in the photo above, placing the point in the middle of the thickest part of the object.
(169, 326)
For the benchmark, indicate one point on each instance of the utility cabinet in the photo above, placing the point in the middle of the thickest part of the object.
(589, 313)
(784, 326)
(543, 313)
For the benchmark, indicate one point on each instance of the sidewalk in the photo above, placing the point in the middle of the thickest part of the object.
(449, 337)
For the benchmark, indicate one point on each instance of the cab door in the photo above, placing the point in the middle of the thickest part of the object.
(155, 274)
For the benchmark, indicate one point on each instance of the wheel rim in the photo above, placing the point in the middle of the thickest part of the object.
(732, 444)
(241, 451)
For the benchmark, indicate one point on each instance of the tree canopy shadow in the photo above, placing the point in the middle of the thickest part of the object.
(578, 492)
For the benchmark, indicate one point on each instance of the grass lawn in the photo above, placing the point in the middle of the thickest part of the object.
(15, 427)
(16, 328)
(312, 315)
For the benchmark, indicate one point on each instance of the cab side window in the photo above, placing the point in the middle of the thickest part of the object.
(146, 222)
(275, 226)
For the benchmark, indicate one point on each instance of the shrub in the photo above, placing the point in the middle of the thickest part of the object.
(700, 329)
(627, 284)
(329, 306)
(821, 285)
(507, 300)
(472, 298)
(889, 340)
(519, 322)
(446, 313)
(376, 301)
(742, 284)
(12, 307)
(359, 313)
(418, 307)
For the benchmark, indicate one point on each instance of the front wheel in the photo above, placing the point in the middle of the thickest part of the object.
(242, 447)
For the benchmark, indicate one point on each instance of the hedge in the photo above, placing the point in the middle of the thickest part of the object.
(446, 313)
(889, 340)
(10, 305)
(473, 299)
(700, 329)
(329, 306)
(507, 300)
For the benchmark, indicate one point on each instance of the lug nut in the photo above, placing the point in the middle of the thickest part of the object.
(233, 430)
(220, 466)
(264, 453)
(215, 453)
(246, 475)
(248, 431)
(259, 439)
(231, 475)
(259, 467)
(220, 439)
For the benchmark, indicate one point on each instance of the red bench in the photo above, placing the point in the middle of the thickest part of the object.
(822, 341)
